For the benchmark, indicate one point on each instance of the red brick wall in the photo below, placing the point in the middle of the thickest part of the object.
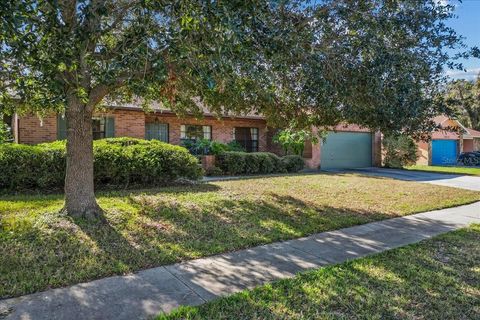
(131, 123)
(222, 130)
(468, 145)
(128, 123)
(32, 130)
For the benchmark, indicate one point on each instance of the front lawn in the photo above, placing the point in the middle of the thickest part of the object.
(40, 248)
(435, 279)
(454, 170)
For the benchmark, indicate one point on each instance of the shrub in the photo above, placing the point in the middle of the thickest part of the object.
(204, 147)
(5, 131)
(400, 151)
(214, 171)
(252, 163)
(268, 163)
(217, 147)
(293, 141)
(293, 163)
(232, 162)
(117, 162)
(235, 146)
(235, 163)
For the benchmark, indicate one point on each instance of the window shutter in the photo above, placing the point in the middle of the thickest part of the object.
(148, 131)
(109, 127)
(61, 127)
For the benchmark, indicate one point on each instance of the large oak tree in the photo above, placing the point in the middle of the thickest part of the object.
(376, 63)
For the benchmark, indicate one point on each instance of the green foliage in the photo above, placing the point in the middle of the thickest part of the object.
(238, 163)
(399, 151)
(5, 132)
(293, 141)
(117, 162)
(198, 147)
(202, 147)
(41, 248)
(214, 171)
(252, 163)
(232, 162)
(376, 63)
(235, 146)
(293, 163)
(463, 97)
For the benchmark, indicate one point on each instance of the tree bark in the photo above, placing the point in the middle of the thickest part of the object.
(79, 188)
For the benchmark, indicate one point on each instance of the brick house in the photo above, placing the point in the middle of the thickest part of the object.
(447, 143)
(345, 146)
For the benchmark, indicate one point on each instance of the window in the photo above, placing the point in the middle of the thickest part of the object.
(193, 132)
(247, 138)
(102, 127)
(158, 131)
(98, 128)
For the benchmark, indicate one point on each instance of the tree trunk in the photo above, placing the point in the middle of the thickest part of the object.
(79, 189)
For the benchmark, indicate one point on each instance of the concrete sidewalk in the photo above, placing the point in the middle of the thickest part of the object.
(440, 179)
(146, 293)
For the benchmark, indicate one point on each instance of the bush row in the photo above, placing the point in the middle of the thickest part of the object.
(235, 163)
(117, 162)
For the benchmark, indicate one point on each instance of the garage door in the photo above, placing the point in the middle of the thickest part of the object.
(444, 152)
(346, 150)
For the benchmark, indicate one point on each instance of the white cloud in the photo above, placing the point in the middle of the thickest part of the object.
(470, 74)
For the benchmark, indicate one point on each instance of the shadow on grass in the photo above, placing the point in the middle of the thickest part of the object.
(431, 280)
(176, 232)
(65, 250)
(184, 188)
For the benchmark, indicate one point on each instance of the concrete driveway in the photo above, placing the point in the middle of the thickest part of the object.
(449, 180)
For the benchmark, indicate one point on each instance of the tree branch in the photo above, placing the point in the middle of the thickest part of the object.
(102, 90)
(68, 11)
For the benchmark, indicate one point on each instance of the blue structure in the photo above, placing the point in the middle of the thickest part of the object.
(444, 152)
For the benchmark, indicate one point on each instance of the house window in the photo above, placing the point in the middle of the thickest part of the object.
(98, 128)
(193, 132)
(102, 127)
(158, 131)
(247, 138)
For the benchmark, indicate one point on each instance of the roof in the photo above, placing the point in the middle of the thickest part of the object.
(473, 133)
(441, 120)
(158, 107)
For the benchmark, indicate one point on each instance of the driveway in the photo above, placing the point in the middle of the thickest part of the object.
(449, 180)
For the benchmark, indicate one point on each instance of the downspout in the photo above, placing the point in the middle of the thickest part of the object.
(15, 127)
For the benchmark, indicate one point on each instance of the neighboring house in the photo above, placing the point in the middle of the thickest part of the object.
(348, 147)
(448, 143)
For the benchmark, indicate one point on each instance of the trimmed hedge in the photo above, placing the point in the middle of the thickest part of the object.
(238, 163)
(118, 162)
(293, 163)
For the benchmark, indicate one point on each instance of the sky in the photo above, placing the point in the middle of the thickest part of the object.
(467, 24)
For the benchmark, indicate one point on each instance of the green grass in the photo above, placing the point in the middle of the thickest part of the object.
(41, 248)
(435, 279)
(454, 170)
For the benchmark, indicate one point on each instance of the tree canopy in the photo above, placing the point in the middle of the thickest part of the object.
(376, 62)
(463, 97)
